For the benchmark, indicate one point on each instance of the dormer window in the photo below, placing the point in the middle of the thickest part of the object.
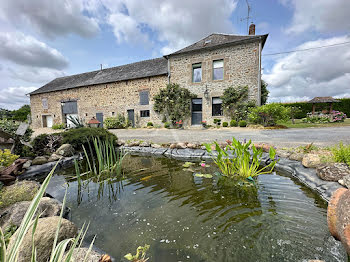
(197, 73)
(218, 69)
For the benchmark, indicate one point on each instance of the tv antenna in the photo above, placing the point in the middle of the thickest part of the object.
(248, 15)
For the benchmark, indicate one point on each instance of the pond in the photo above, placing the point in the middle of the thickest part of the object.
(184, 217)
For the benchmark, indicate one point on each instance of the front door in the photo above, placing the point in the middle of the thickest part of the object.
(99, 117)
(196, 111)
(131, 117)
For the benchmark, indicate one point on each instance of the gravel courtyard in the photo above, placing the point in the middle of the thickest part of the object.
(281, 138)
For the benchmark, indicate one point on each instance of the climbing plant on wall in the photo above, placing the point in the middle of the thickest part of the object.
(173, 103)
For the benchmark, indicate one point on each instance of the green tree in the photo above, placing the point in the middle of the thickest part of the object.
(173, 102)
(269, 114)
(21, 114)
(264, 92)
(235, 102)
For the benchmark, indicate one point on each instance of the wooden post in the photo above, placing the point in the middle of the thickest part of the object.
(331, 108)
(313, 108)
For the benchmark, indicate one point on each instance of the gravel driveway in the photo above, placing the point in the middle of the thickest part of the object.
(282, 138)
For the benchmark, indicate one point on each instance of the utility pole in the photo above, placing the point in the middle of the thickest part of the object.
(248, 15)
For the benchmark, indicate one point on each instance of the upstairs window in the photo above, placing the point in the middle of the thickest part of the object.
(197, 73)
(217, 106)
(45, 103)
(218, 69)
(144, 100)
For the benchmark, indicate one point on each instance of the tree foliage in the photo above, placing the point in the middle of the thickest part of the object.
(269, 114)
(173, 102)
(20, 114)
(235, 102)
(264, 92)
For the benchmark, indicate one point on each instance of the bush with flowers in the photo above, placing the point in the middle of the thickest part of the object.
(338, 116)
(179, 124)
(204, 124)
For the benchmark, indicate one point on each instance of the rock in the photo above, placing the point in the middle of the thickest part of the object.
(27, 164)
(20, 191)
(9, 173)
(283, 153)
(181, 145)
(145, 144)
(190, 145)
(65, 150)
(14, 214)
(333, 172)
(54, 157)
(338, 216)
(264, 147)
(44, 237)
(156, 146)
(39, 160)
(80, 253)
(296, 156)
(172, 146)
(311, 160)
(346, 181)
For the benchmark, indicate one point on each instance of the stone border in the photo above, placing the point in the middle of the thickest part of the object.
(306, 176)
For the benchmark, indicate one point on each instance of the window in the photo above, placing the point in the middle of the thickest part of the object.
(217, 106)
(196, 73)
(144, 113)
(45, 103)
(113, 113)
(218, 70)
(144, 97)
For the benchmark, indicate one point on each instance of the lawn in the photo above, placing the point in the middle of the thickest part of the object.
(299, 124)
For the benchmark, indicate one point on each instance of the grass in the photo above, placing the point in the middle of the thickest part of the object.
(299, 124)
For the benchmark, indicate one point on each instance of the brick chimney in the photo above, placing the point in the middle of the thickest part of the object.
(252, 29)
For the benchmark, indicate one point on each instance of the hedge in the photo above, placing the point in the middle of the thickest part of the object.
(343, 106)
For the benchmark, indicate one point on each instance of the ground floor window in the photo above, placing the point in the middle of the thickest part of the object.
(217, 106)
(144, 113)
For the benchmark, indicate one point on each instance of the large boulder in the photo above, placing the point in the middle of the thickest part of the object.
(333, 172)
(65, 150)
(80, 253)
(14, 214)
(20, 191)
(39, 160)
(311, 160)
(43, 238)
(338, 216)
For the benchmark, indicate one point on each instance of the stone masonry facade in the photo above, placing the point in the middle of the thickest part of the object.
(241, 67)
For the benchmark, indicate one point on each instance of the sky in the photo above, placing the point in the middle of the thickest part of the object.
(44, 39)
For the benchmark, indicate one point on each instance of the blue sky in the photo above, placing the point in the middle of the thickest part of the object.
(41, 40)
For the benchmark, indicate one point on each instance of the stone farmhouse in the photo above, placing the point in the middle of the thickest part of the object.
(206, 68)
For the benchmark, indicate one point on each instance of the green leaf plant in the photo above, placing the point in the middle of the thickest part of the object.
(241, 160)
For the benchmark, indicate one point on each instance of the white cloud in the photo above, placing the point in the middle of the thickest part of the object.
(320, 15)
(50, 18)
(304, 75)
(34, 74)
(176, 23)
(26, 50)
(14, 97)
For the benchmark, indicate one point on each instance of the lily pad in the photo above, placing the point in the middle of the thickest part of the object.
(203, 175)
(188, 164)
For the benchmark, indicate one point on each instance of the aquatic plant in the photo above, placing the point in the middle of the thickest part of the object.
(140, 254)
(58, 253)
(243, 162)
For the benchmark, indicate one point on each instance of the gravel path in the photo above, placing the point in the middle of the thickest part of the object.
(282, 138)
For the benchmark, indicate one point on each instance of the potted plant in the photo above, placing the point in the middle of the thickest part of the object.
(179, 124)
(204, 124)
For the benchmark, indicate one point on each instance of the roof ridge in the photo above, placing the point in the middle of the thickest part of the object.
(109, 68)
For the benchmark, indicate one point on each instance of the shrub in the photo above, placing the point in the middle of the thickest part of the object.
(268, 115)
(11, 127)
(76, 122)
(338, 116)
(149, 124)
(245, 164)
(167, 125)
(242, 123)
(217, 122)
(341, 153)
(173, 103)
(225, 124)
(233, 123)
(46, 144)
(117, 122)
(6, 158)
(79, 137)
(58, 126)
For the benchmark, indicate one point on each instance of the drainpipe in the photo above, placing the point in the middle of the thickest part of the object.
(259, 75)
(168, 69)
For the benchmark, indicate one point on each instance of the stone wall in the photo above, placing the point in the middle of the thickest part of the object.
(241, 68)
(105, 98)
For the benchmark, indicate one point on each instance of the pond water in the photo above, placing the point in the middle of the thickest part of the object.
(188, 218)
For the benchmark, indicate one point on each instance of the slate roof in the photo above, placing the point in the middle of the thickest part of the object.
(323, 99)
(147, 68)
(217, 40)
